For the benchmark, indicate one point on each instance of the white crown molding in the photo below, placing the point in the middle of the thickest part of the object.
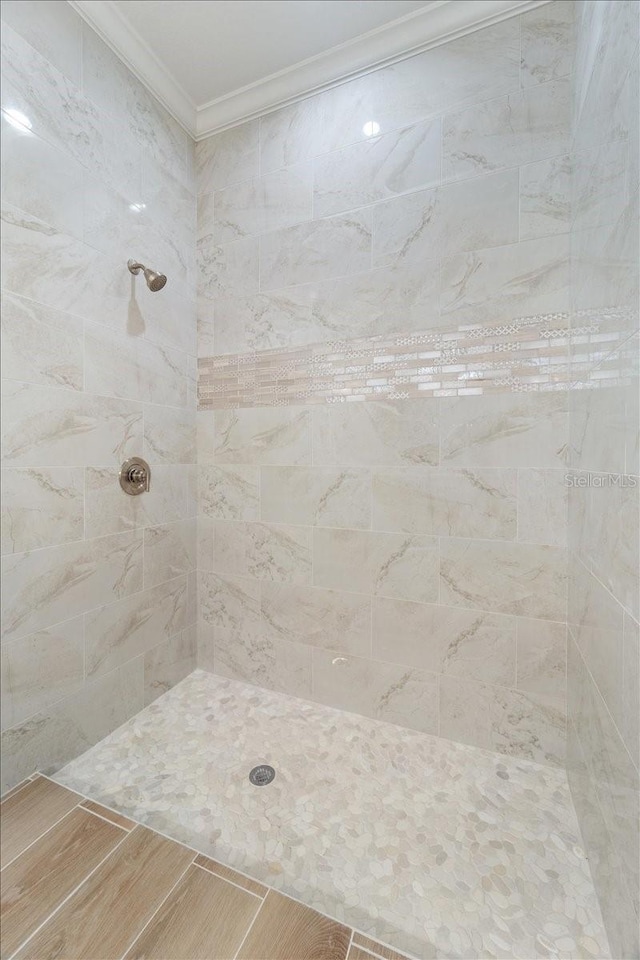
(109, 23)
(436, 23)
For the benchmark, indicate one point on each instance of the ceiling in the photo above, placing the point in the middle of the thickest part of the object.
(215, 63)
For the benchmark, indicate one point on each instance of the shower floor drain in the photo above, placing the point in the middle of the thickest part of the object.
(262, 775)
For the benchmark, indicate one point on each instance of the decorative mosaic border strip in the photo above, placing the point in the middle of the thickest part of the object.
(538, 353)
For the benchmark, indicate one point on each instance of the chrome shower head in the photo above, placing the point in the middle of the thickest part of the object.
(155, 281)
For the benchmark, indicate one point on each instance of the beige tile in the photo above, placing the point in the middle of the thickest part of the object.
(263, 204)
(41, 507)
(227, 157)
(502, 577)
(120, 631)
(263, 551)
(543, 506)
(545, 197)
(460, 643)
(230, 605)
(315, 496)
(169, 551)
(169, 434)
(229, 492)
(321, 618)
(108, 510)
(382, 564)
(458, 503)
(58, 361)
(168, 663)
(263, 435)
(385, 691)
(517, 723)
(51, 585)
(542, 657)
(393, 433)
(264, 661)
(39, 669)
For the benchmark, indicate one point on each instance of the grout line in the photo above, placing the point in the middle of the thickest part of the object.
(212, 873)
(349, 945)
(106, 820)
(248, 931)
(157, 910)
(70, 895)
(13, 791)
(45, 832)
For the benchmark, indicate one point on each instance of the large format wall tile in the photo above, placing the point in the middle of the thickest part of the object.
(316, 496)
(231, 607)
(507, 132)
(322, 618)
(50, 585)
(382, 564)
(229, 492)
(444, 640)
(263, 435)
(262, 551)
(41, 507)
(546, 42)
(228, 157)
(271, 202)
(267, 662)
(455, 503)
(376, 434)
(170, 551)
(521, 578)
(58, 360)
(377, 169)
(168, 663)
(448, 220)
(384, 691)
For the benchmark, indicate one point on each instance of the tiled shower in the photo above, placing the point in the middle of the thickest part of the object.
(389, 397)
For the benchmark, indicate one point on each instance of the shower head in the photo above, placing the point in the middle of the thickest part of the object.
(155, 281)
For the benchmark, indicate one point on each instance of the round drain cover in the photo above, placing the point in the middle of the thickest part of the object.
(262, 775)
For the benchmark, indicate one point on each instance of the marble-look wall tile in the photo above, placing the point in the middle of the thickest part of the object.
(262, 551)
(41, 507)
(228, 157)
(170, 551)
(132, 368)
(271, 202)
(263, 436)
(600, 185)
(168, 663)
(228, 269)
(501, 283)
(231, 606)
(546, 42)
(519, 578)
(127, 628)
(543, 506)
(384, 691)
(329, 619)
(267, 662)
(52, 29)
(513, 722)
(396, 433)
(58, 361)
(333, 247)
(629, 715)
(381, 564)
(48, 586)
(169, 434)
(612, 549)
(316, 496)
(520, 430)
(42, 179)
(507, 131)
(445, 640)
(292, 134)
(40, 669)
(377, 169)
(54, 736)
(448, 220)
(545, 198)
(230, 492)
(470, 69)
(454, 503)
(542, 657)
(109, 510)
(45, 426)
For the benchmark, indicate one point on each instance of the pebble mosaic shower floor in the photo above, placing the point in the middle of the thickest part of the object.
(436, 848)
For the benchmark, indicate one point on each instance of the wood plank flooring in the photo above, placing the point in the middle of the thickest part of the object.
(80, 881)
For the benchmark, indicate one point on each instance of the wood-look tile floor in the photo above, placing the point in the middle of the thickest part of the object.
(80, 882)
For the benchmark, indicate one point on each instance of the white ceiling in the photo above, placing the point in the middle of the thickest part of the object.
(215, 46)
(215, 63)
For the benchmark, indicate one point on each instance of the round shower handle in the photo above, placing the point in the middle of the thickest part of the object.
(135, 476)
